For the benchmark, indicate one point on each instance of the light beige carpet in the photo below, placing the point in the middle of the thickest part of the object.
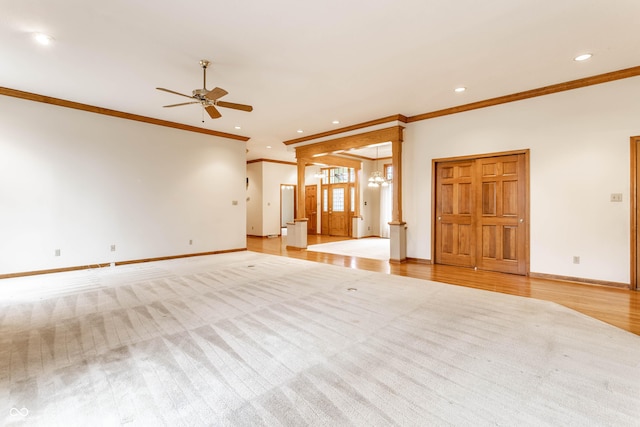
(246, 339)
(370, 247)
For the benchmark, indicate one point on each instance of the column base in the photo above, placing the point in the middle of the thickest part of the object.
(297, 234)
(398, 234)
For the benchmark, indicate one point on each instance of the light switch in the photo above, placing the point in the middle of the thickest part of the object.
(616, 197)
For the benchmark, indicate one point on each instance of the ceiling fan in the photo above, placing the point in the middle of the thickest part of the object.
(209, 99)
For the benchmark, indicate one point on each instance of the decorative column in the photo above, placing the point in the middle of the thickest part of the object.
(297, 230)
(397, 227)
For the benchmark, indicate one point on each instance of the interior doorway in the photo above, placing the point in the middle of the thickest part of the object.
(481, 212)
(287, 205)
(338, 200)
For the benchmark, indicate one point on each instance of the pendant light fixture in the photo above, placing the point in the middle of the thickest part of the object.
(377, 178)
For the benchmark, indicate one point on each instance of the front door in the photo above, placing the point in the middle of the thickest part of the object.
(481, 213)
(338, 210)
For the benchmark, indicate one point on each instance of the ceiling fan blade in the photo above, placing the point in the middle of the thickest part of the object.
(216, 93)
(213, 111)
(174, 92)
(235, 106)
(184, 103)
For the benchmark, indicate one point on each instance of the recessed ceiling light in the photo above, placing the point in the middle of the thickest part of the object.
(237, 127)
(268, 146)
(299, 131)
(583, 57)
(43, 39)
(460, 89)
(336, 122)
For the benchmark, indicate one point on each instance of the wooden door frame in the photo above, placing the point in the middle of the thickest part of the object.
(295, 204)
(526, 153)
(635, 183)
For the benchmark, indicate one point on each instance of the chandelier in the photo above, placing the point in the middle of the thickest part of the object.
(377, 178)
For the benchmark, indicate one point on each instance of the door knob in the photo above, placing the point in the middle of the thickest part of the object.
(439, 218)
(521, 220)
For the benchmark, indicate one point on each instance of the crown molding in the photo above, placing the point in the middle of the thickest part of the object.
(282, 162)
(541, 91)
(545, 90)
(389, 119)
(114, 113)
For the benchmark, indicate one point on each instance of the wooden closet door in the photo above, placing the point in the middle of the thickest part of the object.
(481, 213)
(454, 214)
(501, 214)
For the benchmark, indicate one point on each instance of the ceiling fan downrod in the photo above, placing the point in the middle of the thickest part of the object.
(204, 63)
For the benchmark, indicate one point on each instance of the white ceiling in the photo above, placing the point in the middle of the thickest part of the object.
(302, 64)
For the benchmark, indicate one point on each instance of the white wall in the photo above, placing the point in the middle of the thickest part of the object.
(579, 142)
(273, 175)
(263, 209)
(254, 199)
(80, 182)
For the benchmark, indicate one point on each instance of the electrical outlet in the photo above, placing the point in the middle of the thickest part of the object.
(57, 252)
(190, 242)
(113, 248)
(616, 197)
(576, 259)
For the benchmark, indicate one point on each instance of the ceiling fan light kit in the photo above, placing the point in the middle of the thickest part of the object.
(209, 99)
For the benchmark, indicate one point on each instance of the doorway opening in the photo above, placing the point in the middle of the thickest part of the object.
(338, 201)
(287, 206)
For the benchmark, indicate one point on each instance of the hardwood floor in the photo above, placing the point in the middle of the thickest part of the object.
(618, 307)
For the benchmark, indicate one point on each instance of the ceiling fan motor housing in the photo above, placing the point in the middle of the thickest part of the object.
(200, 93)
